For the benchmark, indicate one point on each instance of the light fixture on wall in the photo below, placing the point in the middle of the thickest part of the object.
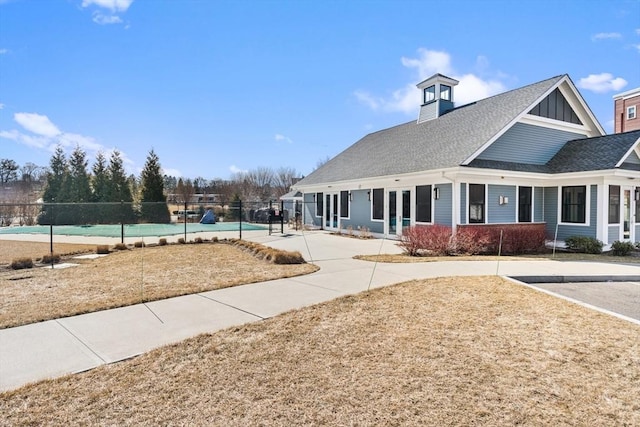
(637, 194)
(314, 197)
(350, 196)
(436, 193)
(503, 200)
(369, 195)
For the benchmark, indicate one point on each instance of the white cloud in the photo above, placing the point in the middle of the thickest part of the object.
(602, 83)
(428, 62)
(638, 31)
(4, 51)
(606, 36)
(235, 169)
(112, 5)
(637, 46)
(172, 172)
(280, 137)
(41, 133)
(1, 106)
(101, 19)
(36, 123)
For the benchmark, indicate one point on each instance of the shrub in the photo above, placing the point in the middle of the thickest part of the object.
(412, 240)
(120, 247)
(139, 244)
(21, 263)
(582, 244)
(523, 240)
(102, 249)
(162, 242)
(286, 257)
(181, 240)
(215, 239)
(619, 248)
(365, 232)
(434, 239)
(51, 258)
(473, 241)
(198, 240)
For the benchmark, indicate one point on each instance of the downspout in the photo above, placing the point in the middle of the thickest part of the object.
(454, 203)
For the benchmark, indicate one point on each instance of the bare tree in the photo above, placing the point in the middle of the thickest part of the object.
(283, 179)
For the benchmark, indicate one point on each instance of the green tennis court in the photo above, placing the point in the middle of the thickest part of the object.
(130, 230)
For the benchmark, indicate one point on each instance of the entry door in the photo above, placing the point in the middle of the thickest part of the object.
(398, 211)
(628, 211)
(331, 211)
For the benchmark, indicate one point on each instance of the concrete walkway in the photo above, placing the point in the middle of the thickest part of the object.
(57, 347)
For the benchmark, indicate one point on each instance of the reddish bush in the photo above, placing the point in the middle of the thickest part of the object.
(433, 239)
(523, 239)
(472, 241)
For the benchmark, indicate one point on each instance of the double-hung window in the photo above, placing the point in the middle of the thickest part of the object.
(378, 204)
(574, 204)
(631, 112)
(614, 204)
(476, 203)
(524, 204)
(319, 201)
(344, 204)
(423, 203)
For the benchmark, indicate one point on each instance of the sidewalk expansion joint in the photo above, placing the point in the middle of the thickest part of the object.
(232, 306)
(80, 340)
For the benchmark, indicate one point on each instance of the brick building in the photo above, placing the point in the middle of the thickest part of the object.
(627, 108)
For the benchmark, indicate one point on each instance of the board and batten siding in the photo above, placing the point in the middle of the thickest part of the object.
(505, 213)
(525, 143)
(442, 209)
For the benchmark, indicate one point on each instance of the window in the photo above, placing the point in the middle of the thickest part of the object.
(344, 204)
(445, 92)
(423, 203)
(319, 200)
(524, 204)
(631, 112)
(574, 204)
(378, 203)
(476, 203)
(614, 204)
(429, 94)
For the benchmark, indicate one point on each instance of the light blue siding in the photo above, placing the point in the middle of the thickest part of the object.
(633, 158)
(567, 230)
(360, 213)
(524, 143)
(538, 204)
(442, 209)
(614, 233)
(309, 211)
(550, 209)
(463, 203)
(497, 213)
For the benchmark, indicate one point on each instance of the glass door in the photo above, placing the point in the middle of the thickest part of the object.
(398, 211)
(626, 215)
(331, 211)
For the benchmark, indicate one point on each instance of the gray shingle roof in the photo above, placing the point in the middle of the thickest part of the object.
(598, 153)
(444, 142)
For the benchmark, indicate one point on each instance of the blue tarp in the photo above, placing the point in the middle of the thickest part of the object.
(208, 217)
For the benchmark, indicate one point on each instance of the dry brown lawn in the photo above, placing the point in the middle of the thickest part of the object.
(452, 351)
(130, 277)
(13, 249)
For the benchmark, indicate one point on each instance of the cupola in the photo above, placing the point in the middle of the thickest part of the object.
(437, 96)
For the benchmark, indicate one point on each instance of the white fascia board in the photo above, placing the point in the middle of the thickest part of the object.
(628, 94)
(628, 153)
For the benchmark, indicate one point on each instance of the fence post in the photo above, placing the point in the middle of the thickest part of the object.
(281, 217)
(121, 221)
(51, 234)
(240, 216)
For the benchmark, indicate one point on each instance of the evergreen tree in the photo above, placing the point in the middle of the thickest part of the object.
(53, 191)
(77, 189)
(119, 192)
(154, 202)
(100, 187)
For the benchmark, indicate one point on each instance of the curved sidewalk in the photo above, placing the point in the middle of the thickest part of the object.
(57, 347)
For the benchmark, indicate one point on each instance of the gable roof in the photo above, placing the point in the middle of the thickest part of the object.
(435, 144)
(579, 155)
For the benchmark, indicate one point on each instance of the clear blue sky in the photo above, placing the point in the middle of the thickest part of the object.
(222, 86)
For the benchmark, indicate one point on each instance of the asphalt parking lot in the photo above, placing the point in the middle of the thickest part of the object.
(615, 296)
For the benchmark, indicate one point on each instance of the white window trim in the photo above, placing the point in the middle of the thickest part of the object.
(371, 218)
(433, 204)
(587, 206)
(631, 110)
(486, 207)
(533, 200)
